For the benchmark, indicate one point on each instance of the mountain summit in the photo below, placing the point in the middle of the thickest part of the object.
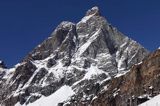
(72, 66)
(93, 11)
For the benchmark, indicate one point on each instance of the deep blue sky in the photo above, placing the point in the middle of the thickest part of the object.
(26, 23)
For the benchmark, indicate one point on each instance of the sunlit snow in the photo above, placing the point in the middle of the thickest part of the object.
(59, 96)
(153, 102)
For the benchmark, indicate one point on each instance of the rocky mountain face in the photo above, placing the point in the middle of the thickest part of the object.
(2, 68)
(90, 59)
(138, 85)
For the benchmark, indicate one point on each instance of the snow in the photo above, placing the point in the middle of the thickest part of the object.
(116, 93)
(66, 23)
(19, 64)
(91, 73)
(153, 102)
(9, 73)
(94, 98)
(58, 70)
(86, 18)
(120, 61)
(151, 87)
(144, 96)
(95, 8)
(18, 104)
(120, 64)
(124, 44)
(30, 80)
(139, 63)
(133, 57)
(59, 96)
(121, 73)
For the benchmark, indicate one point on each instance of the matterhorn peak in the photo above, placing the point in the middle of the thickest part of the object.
(93, 11)
(80, 58)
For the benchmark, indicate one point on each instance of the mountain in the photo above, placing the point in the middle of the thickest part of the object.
(74, 66)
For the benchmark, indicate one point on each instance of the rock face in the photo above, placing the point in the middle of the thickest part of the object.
(135, 87)
(2, 69)
(86, 56)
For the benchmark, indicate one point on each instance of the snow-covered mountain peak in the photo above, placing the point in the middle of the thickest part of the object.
(80, 56)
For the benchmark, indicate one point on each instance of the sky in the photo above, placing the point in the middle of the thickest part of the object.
(26, 23)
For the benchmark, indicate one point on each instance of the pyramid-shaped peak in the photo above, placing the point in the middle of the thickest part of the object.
(93, 11)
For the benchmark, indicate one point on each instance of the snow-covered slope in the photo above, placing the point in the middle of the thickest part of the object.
(59, 96)
(153, 102)
(79, 57)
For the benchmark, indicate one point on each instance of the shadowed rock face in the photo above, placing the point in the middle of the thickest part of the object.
(87, 56)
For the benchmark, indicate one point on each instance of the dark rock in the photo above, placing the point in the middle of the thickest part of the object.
(2, 73)
(51, 44)
(41, 73)
(49, 89)
(87, 64)
(24, 72)
(50, 78)
(33, 89)
(32, 99)
(60, 104)
(51, 62)
(66, 62)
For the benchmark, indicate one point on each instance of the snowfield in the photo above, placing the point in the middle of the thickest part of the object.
(59, 96)
(153, 102)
